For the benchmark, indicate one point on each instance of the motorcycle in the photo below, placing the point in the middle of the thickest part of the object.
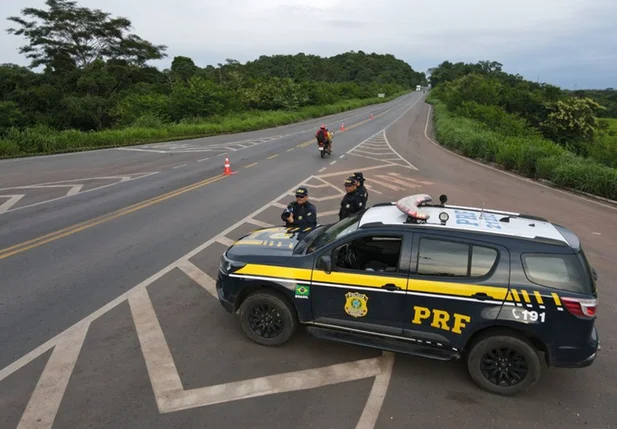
(325, 147)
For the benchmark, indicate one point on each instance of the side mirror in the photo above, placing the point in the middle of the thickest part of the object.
(325, 263)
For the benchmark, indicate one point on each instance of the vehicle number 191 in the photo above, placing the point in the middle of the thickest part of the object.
(529, 316)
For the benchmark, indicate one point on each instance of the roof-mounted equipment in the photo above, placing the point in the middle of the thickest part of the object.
(411, 207)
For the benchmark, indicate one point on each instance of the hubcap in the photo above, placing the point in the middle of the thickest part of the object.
(265, 320)
(504, 366)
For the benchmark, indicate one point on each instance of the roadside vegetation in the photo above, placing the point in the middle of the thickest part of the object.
(537, 130)
(94, 88)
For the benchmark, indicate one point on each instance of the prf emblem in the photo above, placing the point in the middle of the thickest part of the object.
(355, 305)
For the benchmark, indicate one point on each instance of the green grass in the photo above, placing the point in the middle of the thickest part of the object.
(533, 157)
(44, 140)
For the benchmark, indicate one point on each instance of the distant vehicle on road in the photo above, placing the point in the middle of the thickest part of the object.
(444, 282)
(418, 87)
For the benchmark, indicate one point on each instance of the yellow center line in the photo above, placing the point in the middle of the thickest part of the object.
(30, 244)
(250, 165)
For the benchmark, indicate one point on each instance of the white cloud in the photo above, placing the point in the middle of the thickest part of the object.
(420, 32)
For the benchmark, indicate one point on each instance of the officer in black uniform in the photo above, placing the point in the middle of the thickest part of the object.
(300, 213)
(361, 189)
(352, 201)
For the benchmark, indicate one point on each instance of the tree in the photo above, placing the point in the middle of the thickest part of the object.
(80, 35)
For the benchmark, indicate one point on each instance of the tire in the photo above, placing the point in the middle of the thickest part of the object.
(525, 355)
(268, 301)
(322, 153)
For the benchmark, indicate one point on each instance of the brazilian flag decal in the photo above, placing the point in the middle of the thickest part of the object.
(302, 291)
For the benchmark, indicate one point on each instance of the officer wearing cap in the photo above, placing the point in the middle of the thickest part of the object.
(352, 201)
(300, 213)
(361, 189)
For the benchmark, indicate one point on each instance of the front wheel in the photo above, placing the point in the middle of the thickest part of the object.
(267, 319)
(504, 364)
(322, 153)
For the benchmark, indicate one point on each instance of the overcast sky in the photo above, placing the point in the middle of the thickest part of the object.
(570, 43)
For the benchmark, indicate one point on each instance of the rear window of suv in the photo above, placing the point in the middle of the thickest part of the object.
(558, 271)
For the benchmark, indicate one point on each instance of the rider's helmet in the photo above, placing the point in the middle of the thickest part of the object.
(323, 127)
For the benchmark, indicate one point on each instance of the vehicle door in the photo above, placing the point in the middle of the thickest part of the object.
(359, 282)
(456, 286)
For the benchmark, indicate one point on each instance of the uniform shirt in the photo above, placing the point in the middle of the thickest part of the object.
(305, 216)
(352, 203)
(363, 194)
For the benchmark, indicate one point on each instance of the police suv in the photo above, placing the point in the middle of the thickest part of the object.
(496, 288)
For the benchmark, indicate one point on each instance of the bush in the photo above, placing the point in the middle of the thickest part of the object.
(152, 128)
(529, 155)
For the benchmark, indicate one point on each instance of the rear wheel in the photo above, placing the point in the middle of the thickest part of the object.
(267, 319)
(322, 153)
(504, 364)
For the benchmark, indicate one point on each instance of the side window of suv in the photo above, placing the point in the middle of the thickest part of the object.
(380, 253)
(454, 259)
(564, 272)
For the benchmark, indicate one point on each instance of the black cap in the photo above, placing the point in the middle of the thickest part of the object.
(301, 192)
(358, 176)
(350, 181)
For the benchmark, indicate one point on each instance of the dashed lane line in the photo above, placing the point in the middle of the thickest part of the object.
(251, 165)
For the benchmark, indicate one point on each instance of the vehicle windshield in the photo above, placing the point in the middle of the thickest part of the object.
(336, 231)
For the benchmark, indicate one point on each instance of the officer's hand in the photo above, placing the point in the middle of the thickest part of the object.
(290, 219)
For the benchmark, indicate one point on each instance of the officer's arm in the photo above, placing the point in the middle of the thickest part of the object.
(312, 219)
(285, 213)
(359, 203)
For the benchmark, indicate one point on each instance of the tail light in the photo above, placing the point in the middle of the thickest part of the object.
(585, 308)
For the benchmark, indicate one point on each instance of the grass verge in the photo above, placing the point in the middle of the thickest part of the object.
(533, 157)
(47, 141)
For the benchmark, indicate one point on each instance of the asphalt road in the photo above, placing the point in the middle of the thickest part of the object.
(148, 345)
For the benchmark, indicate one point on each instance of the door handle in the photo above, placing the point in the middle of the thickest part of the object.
(390, 286)
(481, 295)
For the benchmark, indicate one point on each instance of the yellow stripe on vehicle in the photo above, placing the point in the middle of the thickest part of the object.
(538, 297)
(525, 296)
(275, 271)
(556, 299)
(364, 280)
(456, 289)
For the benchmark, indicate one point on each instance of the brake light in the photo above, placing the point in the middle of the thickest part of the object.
(579, 307)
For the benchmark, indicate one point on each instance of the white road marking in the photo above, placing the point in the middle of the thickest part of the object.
(202, 160)
(370, 188)
(322, 169)
(398, 154)
(338, 190)
(591, 199)
(333, 162)
(45, 400)
(46, 185)
(329, 197)
(369, 416)
(178, 166)
(283, 206)
(198, 276)
(328, 213)
(160, 364)
(341, 173)
(594, 233)
(74, 190)
(259, 223)
(12, 200)
(342, 156)
(273, 384)
(225, 241)
(221, 154)
(135, 149)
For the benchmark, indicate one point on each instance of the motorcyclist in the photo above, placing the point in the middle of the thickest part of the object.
(323, 137)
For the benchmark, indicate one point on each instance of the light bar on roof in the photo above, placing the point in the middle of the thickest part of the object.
(410, 205)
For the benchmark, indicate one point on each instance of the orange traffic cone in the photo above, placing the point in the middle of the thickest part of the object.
(342, 126)
(227, 170)
(371, 117)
